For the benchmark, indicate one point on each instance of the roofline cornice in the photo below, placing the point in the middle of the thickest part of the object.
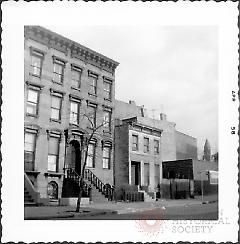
(63, 44)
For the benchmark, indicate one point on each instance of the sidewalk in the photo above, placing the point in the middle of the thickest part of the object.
(95, 209)
(61, 212)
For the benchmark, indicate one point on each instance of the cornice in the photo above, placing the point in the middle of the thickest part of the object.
(56, 41)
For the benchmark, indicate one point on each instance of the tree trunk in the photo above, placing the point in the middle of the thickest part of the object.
(79, 195)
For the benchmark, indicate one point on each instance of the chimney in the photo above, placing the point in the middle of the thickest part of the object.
(163, 116)
(143, 114)
(132, 102)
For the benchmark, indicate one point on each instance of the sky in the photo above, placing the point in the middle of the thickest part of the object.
(170, 69)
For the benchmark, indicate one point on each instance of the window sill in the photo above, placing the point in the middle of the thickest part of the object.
(75, 88)
(54, 174)
(107, 99)
(37, 76)
(107, 132)
(32, 115)
(55, 120)
(105, 168)
(58, 83)
(75, 125)
(92, 95)
(32, 172)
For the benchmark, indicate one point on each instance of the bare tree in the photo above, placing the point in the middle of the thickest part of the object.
(94, 130)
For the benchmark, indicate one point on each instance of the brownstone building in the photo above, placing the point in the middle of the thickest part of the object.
(68, 87)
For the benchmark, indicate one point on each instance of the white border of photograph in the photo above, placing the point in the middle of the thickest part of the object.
(15, 16)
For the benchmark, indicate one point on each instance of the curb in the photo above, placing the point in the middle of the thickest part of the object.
(65, 216)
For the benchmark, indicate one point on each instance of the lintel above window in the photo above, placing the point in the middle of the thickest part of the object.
(91, 104)
(34, 86)
(59, 60)
(54, 133)
(106, 79)
(76, 67)
(91, 73)
(105, 108)
(75, 98)
(57, 93)
(37, 52)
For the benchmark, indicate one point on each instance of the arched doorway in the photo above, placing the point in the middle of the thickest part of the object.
(52, 190)
(76, 156)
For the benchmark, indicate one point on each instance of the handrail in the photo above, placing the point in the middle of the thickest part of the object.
(106, 189)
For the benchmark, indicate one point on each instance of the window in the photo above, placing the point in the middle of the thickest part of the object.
(29, 150)
(91, 155)
(146, 144)
(74, 112)
(36, 62)
(53, 151)
(107, 114)
(32, 102)
(156, 146)
(58, 71)
(93, 84)
(107, 87)
(106, 157)
(56, 108)
(92, 115)
(134, 142)
(76, 77)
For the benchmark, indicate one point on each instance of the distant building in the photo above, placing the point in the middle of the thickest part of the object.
(207, 151)
(64, 79)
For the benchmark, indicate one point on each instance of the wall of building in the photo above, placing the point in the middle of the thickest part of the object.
(149, 158)
(186, 146)
(121, 169)
(42, 120)
(125, 110)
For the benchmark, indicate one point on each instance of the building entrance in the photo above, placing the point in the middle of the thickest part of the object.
(76, 156)
(135, 173)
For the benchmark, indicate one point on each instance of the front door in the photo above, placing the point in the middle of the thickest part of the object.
(76, 156)
(135, 173)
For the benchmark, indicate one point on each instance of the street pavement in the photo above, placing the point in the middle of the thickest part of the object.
(124, 210)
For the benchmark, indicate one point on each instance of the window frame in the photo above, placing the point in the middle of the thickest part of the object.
(30, 102)
(156, 149)
(109, 92)
(91, 86)
(107, 127)
(78, 102)
(146, 148)
(79, 70)
(58, 138)
(31, 132)
(92, 156)
(104, 158)
(136, 148)
(37, 54)
(60, 96)
(62, 63)
(94, 119)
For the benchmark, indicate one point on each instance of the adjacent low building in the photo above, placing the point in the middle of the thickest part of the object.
(142, 144)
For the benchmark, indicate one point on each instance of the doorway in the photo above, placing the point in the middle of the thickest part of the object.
(76, 156)
(135, 173)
